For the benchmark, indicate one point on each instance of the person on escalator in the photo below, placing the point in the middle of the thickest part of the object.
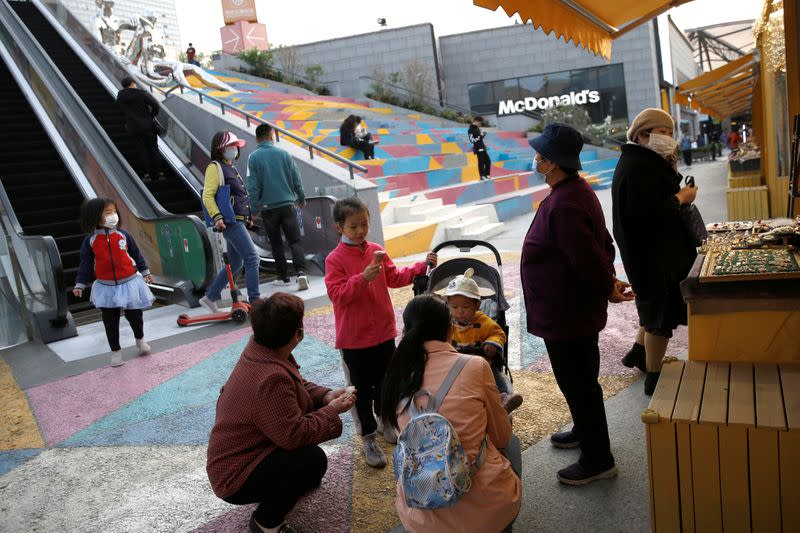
(111, 256)
(140, 110)
(225, 149)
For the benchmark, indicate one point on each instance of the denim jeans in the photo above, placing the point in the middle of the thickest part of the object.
(241, 252)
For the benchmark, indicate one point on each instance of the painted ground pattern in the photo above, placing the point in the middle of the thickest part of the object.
(124, 449)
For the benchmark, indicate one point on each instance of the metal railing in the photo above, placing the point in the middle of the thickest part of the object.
(250, 118)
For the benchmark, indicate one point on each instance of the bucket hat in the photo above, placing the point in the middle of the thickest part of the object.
(561, 144)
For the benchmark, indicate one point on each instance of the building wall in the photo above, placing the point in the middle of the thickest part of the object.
(684, 69)
(521, 50)
(164, 10)
(347, 59)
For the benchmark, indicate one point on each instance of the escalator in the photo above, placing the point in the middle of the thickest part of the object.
(171, 192)
(43, 194)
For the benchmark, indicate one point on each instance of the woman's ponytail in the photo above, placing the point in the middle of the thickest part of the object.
(426, 318)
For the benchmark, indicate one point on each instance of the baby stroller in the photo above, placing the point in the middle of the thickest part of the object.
(487, 277)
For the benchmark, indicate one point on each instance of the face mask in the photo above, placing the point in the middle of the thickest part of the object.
(347, 240)
(229, 154)
(112, 221)
(539, 172)
(663, 145)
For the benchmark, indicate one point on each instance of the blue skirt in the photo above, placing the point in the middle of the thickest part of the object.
(133, 294)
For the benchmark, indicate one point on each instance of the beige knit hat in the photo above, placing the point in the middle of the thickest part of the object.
(648, 119)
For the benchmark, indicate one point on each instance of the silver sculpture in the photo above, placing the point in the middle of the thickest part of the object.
(145, 54)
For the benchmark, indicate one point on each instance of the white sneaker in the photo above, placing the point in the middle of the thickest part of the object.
(373, 454)
(302, 282)
(116, 358)
(144, 348)
(208, 304)
(281, 282)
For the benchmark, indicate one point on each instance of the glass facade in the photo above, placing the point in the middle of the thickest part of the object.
(608, 81)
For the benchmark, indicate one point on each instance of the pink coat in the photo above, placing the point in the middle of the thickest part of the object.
(473, 408)
(362, 310)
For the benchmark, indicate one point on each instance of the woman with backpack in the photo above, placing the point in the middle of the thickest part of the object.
(422, 362)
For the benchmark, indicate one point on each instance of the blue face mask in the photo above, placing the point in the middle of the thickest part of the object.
(347, 240)
(229, 154)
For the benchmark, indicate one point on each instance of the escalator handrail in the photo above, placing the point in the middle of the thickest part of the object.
(86, 128)
(53, 256)
(249, 117)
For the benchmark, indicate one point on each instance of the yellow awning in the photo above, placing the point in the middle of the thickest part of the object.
(722, 92)
(591, 24)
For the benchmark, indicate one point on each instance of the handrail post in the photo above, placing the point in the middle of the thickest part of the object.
(277, 137)
(352, 176)
(201, 97)
(247, 119)
(222, 106)
(311, 151)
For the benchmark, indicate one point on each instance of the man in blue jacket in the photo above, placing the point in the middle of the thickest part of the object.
(273, 182)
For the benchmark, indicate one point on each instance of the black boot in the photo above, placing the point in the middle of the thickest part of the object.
(650, 382)
(637, 357)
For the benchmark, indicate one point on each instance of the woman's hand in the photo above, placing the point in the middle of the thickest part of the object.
(331, 394)
(343, 402)
(432, 259)
(77, 292)
(219, 224)
(687, 195)
(620, 293)
(148, 278)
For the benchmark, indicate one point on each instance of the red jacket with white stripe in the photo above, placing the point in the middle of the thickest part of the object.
(111, 256)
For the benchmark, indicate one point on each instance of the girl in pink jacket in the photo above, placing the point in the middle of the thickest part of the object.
(358, 274)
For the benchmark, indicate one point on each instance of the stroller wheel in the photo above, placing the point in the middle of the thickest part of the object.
(182, 320)
(239, 315)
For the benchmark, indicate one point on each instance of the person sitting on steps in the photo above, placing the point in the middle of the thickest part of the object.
(354, 136)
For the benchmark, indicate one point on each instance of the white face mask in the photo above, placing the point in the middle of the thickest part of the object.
(112, 221)
(663, 145)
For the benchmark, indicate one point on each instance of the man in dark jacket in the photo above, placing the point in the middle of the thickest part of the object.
(479, 148)
(140, 110)
(567, 270)
(655, 247)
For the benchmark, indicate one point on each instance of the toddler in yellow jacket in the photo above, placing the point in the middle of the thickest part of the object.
(473, 332)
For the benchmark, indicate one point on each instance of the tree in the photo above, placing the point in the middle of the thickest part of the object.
(418, 81)
(260, 62)
(289, 58)
(314, 74)
(381, 87)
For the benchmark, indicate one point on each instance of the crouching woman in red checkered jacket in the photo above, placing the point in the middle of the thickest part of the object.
(264, 446)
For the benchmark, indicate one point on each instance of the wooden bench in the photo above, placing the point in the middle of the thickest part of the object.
(723, 447)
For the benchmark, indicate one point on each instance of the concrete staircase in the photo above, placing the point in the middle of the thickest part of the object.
(424, 169)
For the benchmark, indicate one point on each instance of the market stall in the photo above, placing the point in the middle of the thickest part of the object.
(743, 293)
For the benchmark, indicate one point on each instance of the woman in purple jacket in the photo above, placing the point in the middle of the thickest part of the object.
(568, 278)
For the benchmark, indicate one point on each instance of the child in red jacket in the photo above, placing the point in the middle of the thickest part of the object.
(358, 274)
(111, 257)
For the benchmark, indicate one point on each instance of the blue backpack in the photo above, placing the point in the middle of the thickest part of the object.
(429, 459)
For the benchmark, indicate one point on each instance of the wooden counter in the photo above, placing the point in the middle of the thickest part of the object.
(743, 321)
(723, 447)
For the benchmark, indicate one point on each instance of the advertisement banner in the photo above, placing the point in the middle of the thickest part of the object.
(238, 10)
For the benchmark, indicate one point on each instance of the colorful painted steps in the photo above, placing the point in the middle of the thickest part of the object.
(424, 169)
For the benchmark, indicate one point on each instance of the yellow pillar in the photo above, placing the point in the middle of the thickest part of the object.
(769, 160)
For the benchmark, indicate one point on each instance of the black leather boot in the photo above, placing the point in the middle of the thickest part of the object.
(637, 357)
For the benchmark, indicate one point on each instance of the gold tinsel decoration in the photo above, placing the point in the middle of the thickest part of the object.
(769, 30)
